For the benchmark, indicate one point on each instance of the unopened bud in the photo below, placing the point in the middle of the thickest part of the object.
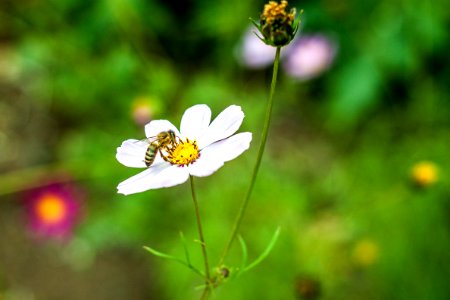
(277, 24)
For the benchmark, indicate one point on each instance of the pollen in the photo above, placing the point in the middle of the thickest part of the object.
(273, 11)
(184, 153)
(51, 209)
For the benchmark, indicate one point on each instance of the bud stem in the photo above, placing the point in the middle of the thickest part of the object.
(262, 144)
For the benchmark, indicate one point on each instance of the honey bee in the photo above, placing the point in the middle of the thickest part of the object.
(164, 140)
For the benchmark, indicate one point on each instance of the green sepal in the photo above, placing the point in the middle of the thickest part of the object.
(297, 23)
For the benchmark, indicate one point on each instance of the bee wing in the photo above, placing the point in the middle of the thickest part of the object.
(148, 140)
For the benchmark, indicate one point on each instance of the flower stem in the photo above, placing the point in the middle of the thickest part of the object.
(202, 240)
(262, 144)
(205, 293)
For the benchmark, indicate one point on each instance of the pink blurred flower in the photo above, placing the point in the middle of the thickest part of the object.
(143, 109)
(53, 210)
(306, 57)
(309, 56)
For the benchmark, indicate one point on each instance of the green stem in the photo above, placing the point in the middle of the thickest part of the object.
(205, 293)
(262, 145)
(202, 240)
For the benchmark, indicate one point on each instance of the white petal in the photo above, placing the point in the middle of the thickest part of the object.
(229, 148)
(214, 156)
(132, 153)
(205, 166)
(157, 126)
(158, 176)
(224, 125)
(195, 120)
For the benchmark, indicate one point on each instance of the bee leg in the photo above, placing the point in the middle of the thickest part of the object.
(163, 156)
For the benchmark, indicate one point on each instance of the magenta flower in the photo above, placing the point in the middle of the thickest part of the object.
(53, 211)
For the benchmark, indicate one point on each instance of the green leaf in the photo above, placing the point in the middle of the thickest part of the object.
(174, 258)
(244, 252)
(266, 251)
(186, 252)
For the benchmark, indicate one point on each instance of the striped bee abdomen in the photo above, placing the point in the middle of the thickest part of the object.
(150, 154)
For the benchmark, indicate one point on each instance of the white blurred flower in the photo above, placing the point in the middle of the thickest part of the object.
(254, 53)
(306, 57)
(201, 149)
(309, 56)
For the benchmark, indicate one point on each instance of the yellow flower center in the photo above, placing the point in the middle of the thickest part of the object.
(274, 10)
(184, 153)
(51, 209)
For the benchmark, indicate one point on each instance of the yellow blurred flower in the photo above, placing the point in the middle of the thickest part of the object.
(365, 252)
(424, 173)
(143, 110)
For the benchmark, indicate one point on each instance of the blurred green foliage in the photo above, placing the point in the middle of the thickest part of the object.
(336, 172)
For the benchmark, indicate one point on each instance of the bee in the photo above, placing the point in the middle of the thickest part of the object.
(164, 140)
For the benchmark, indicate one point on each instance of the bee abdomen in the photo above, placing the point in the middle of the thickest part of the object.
(150, 155)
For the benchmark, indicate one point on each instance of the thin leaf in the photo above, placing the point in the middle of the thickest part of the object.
(174, 258)
(200, 287)
(266, 251)
(186, 252)
(244, 252)
(163, 255)
(199, 242)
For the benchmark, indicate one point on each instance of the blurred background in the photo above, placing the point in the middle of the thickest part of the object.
(355, 171)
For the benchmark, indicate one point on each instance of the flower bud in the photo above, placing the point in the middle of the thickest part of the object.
(276, 24)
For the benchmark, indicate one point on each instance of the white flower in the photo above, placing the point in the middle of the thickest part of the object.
(254, 53)
(200, 150)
